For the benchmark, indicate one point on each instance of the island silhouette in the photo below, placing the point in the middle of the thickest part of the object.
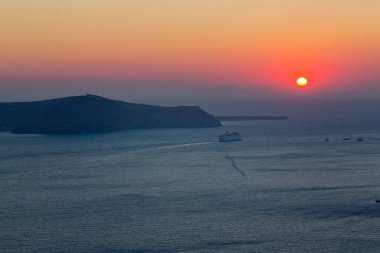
(95, 114)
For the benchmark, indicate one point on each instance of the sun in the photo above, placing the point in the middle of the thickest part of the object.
(302, 81)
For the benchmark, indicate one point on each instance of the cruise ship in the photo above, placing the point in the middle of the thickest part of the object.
(229, 136)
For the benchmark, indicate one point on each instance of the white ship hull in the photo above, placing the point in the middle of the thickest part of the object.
(228, 138)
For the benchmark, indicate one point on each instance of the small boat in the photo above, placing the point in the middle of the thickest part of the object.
(360, 139)
(229, 136)
(377, 200)
(347, 138)
(327, 139)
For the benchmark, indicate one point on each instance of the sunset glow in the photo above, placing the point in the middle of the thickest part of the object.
(190, 126)
(256, 45)
(302, 81)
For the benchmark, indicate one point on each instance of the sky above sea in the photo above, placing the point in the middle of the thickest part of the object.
(220, 54)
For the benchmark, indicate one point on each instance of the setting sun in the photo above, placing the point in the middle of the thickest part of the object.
(302, 81)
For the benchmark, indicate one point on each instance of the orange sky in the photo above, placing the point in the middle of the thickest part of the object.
(258, 44)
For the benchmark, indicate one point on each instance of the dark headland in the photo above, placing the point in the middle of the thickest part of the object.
(240, 118)
(95, 114)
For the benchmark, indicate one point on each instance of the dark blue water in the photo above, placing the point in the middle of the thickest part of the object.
(282, 189)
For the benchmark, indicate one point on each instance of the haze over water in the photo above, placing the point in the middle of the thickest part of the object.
(282, 189)
(213, 53)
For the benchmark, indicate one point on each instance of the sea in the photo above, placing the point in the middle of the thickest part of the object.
(283, 188)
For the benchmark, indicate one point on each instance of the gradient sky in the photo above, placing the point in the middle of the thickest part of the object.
(189, 51)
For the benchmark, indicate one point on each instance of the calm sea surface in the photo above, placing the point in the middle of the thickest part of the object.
(282, 189)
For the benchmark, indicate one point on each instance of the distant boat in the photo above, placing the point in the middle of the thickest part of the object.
(230, 136)
(360, 139)
(377, 200)
(327, 139)
(347, 138)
